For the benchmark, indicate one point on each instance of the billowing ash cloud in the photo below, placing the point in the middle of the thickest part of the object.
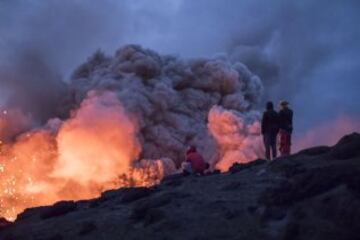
(304, 51)
(129, 120)
(170, 98)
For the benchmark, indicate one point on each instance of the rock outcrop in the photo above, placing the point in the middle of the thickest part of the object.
(314, 194)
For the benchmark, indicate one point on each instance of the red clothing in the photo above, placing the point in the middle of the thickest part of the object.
(198, 164)
(284, 143)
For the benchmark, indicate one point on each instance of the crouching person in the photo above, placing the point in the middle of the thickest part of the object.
(195, 160)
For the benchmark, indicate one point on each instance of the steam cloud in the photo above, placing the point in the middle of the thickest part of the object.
(171, 98)
(130, 118)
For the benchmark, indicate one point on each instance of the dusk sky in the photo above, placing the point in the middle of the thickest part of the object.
(304, 51)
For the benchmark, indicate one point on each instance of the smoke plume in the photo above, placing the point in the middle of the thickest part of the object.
(131, 117)
(170, 97)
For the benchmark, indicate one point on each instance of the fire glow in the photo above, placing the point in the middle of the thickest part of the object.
(93, 151)
(98, 149)
(134, 104)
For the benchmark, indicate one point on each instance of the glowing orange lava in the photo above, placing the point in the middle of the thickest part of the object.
(93, 151)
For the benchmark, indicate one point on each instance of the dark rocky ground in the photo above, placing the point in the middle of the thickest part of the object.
(314, 194)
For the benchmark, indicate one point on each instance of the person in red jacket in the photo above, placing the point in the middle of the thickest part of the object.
(286, 128)
(198, 165)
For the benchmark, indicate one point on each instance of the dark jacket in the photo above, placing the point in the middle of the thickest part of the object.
(270, 122)
(286, 120)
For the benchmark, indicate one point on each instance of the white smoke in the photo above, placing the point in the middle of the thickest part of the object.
(170, 98)
(237, 136)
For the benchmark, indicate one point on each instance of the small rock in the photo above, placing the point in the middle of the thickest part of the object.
(153, 216)
(274, 213)
(172, 177)
(10, 237)
(133, 194)
(141, 209)
(58, 209)
(237, 167)
(231, 214)
(233, 186)
(110, 194)
(87, 227)
(56, 237)
(261, 172)
(30, 213)
(4, 223)
(94, 204)
(348, 147)
(315, 151)
(252, 209)
(292, 231)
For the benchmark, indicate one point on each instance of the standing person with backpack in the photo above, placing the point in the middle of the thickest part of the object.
(269, 130)
(286, 128)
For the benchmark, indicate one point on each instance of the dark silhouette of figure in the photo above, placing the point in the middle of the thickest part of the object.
(285, 128)
(269, 130)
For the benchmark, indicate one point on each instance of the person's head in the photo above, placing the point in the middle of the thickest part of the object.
(283, 104)
(269, 105)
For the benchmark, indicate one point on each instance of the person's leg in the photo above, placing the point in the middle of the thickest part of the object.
(288, 144)
(273, 146)
(282, 143)
(267, 146)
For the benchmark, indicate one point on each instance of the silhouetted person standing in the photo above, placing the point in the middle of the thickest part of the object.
(285, 128)
(269, 130)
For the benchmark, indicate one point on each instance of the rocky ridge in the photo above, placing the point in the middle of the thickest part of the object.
(314, 194)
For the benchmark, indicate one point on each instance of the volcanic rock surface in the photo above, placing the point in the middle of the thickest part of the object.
(314, 194)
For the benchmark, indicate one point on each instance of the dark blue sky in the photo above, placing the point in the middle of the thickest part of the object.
(304, 51)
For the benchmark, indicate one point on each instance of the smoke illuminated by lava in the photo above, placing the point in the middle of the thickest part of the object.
(237, 136)
(94, 150)
(132, 117)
